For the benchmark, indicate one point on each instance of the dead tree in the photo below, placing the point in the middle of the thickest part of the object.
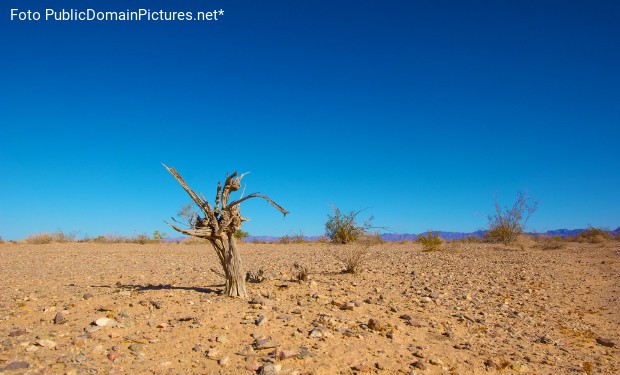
(219, 225)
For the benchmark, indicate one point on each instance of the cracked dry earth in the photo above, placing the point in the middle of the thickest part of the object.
(472, 309)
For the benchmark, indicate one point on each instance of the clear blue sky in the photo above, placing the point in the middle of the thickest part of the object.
(419, 110)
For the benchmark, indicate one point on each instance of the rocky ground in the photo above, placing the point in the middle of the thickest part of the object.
(469, 309)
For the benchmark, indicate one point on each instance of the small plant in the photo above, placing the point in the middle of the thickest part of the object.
(594, 235)
(550, 242)
(39, 239)
(342, 228)
(240, 234)
(353, 256)
(141, 239)
(158, 236)
(301, 272)
(508, 223)
(430, 241)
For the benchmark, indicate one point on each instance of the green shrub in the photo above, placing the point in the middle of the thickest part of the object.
(158, 237)
(240, 234)
(342, 228)
(430, 241)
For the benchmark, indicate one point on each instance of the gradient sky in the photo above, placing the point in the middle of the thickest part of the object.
(421, 111)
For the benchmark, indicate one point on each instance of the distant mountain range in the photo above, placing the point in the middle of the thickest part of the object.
(447, 236)
(397, 237)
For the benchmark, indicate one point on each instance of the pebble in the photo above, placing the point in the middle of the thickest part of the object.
(284, 317)
(271, 369)
(605, 342)
(261, 320)
(18, 332)
(224, 361)
(46, 343)
(426, 299)
(212, 353)
(18, 365)
(361, 368)
(136, 347)
(104, 322)
(375, 324)
(222, 339)
(265, 344)
(87, 296)
(419, 365)
(60, 318)
(114, 356)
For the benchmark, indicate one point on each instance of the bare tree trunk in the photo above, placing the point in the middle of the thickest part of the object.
(219, 225)
(235, 275)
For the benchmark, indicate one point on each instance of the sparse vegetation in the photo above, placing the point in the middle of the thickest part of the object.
(342, 228)
(158, 236)
(550, 242)
(295, 238)
(430, 241)
(594, 235)
(240, 234)
(505, 225)
(353, 256)
(46, 238)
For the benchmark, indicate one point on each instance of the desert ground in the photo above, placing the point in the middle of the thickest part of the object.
(85, 308)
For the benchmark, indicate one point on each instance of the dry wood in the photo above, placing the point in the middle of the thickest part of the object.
(219, 225)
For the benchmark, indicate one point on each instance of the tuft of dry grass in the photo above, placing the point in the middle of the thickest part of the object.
(550, 242)
(45, 238)
(594, 235)
(353, 256)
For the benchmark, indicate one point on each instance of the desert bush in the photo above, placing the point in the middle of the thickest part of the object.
(194, 241)
(524, 242)
(430, 241)
(353, 256)
(342, 228)
(594, 235)
(505, 225)
(550, 242)
(45, 238)
(240, 234)
(158, 236)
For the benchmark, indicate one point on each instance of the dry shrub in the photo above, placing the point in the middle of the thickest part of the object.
(594, 235)
(342, 228)
(430, 241)
(45, 238)
(524, 242)
(353, 256)
(194, 241)
(550, 242)
(506, 224)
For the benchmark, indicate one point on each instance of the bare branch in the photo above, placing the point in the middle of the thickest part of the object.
(258, 195)
(204, 205)
(203, 232)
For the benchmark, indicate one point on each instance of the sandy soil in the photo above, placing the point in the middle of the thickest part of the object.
(475, 309)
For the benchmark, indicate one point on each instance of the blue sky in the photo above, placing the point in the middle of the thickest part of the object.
(421, 111)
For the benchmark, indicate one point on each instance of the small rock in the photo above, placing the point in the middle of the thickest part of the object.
(224, 361)
(419, 355)
(46, 343)
(157, 304)
(405, 317)
(32, 348)
(347, 306)
(162, 325)
(197, 348)
(426, 299)
(271, 369)
(222, 339)
(252, 366)
(265, 344)
(284, 317)
(87, 296)
(361, 368)
(16, 366)
(435, 361)
(60, 318)
(304, 352)
(296, 311)
(417, 323)
(114, 356)
(136, 348)
(419, 365)
(605, 342)
(316, 333)
(103, 322)
(18, 332)
(284, 354)
(261, 320)
(212, 353)
(375, 324)
(464, 345)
